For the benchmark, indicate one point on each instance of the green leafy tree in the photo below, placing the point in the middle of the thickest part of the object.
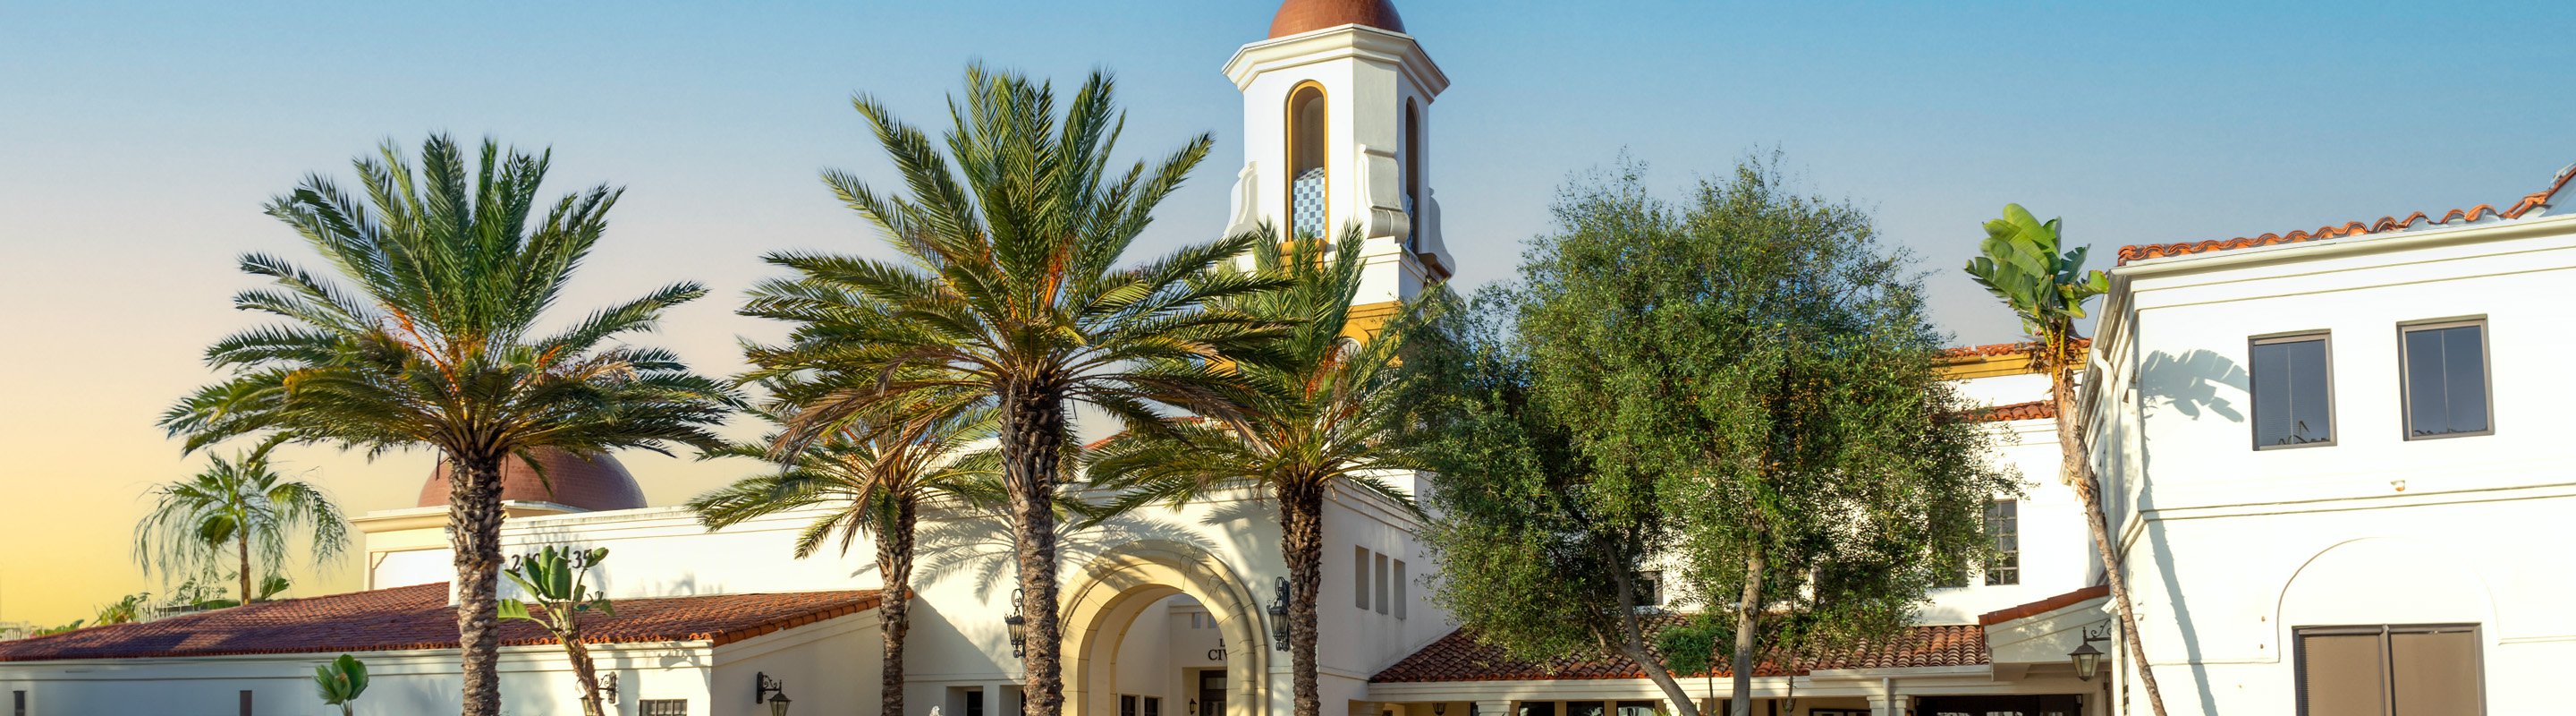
(236, 508)
(125, 610)
(1540, 552)
(434, 342)
(872, 479)
(2024, 264)
(558, 583)
(1323, 413)
(1756, 368)
(1010, 291)
(340, 682)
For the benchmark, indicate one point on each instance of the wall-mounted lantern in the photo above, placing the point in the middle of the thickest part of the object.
(1279, 613)
(766, 690)
(1019, 626)
(608, 688)
(2088, 659)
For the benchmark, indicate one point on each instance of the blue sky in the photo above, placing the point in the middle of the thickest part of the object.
(137, 141)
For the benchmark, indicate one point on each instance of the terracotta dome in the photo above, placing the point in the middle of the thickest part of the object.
(1296, 16)
(591, 484)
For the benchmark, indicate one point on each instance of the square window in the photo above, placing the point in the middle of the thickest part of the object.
(2392, 670)
(2293, 387)
(664, 707)
(2445, 367)
(1153, 706)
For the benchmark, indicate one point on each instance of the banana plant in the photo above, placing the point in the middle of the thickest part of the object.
(558, 582)
(341, 680)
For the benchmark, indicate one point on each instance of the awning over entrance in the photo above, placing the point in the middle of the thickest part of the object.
(2036, 637)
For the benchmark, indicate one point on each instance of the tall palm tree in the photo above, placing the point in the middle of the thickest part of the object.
(872, 478)
(1010, 291)
(1322, 415)
(239, 506)
(434, 342)
(2023, 266)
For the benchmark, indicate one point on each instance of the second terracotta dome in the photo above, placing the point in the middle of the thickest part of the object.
(592, 484)
(1296, 16)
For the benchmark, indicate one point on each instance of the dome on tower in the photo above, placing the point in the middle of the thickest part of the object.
(1296, 16)
(592, 484)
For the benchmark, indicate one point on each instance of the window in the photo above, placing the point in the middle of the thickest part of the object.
(2445, 367)
(1398, 585)
(664, 707)
(1153, 706)
(1640, 708)
(1583, 708)
(2003, 524)
(2389, 670)
(1381, 584)
(1412, 168)
(1650, 588)
(245, 703)
(1538, 708)
(1126, 705)
(2293, 392)
(1360, 575)
(1306, 161)
(974, 701)
(17, 703)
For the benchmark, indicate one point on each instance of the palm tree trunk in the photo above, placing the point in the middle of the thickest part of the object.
(1747, 609)
(894, 562)
(244, 544)
(2079, 474)
(1032, 444)
(474, 528)
(1301, 537)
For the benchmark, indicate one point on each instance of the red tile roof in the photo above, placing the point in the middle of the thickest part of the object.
(2033, 410)
(2044, 606)
(1998, 349)
(1460, 657)
(419, 617)
(2481, 212)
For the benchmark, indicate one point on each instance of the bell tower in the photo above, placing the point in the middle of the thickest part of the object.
(1336, 127)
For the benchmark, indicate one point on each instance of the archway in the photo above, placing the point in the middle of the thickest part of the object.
(1105, 600)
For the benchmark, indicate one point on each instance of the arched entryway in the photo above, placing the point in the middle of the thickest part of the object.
(1102, 605)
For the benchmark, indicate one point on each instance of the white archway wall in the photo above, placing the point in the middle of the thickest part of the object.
(1102, 605)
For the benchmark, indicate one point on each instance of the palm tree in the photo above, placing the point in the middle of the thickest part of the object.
(239, 506)
(1010, 291)
(2023, 267)
(1321, 415)
(873, 479)
(434, 343)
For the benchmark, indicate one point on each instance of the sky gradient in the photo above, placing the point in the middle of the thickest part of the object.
(138, 141)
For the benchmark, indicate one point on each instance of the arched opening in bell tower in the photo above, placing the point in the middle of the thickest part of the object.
(1412, 168)
(1306, 161)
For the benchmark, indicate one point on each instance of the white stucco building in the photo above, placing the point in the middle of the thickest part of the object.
(2336, 467)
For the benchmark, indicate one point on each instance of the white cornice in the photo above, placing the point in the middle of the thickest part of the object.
(1333, 43)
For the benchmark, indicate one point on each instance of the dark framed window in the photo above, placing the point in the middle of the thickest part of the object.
(18, 703)
(1153, 705)
(1583, 708)
(974, 701)
(2403, 670)
(663, 707)
(2293, 386)
(2444, 379)
(1126, 705)
(2003, 525)
(1538, 708)
(1650, 588)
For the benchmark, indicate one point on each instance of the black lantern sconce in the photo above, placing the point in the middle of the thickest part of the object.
(1439, 708)
(2088, 659)
(1279, 613)
(608, 688)
(770, 691)
(1019, 626)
